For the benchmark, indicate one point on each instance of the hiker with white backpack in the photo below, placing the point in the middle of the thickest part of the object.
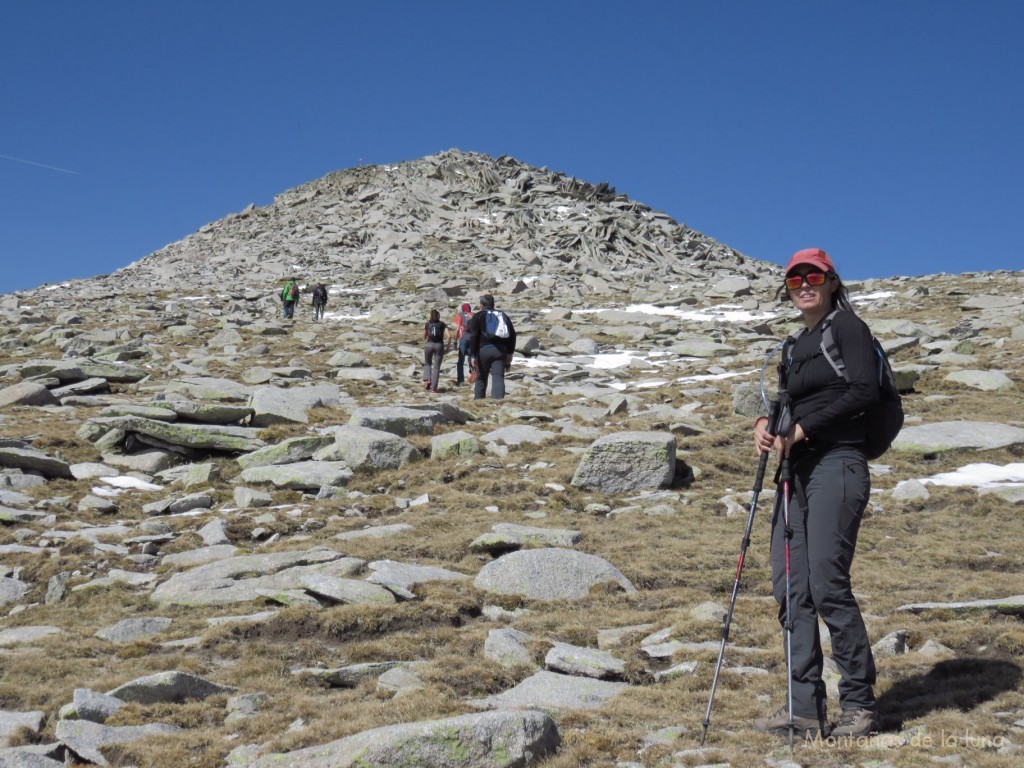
(491, 345)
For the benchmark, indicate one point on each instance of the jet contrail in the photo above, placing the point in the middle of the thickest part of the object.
(39, 165)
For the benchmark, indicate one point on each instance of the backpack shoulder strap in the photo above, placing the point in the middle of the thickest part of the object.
(829, 348)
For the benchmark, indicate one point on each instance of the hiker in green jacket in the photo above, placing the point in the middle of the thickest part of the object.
(290, 297)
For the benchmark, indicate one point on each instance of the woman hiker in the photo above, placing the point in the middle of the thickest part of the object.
(436, 334)
(824, 440)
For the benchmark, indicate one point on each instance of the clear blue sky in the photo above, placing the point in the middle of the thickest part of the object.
(889, 132)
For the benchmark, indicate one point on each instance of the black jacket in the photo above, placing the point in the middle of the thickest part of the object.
(828, 407)
(476, 331)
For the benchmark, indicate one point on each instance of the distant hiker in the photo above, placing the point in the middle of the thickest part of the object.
(824, 438)
(319, 300)
(289, 297)
(461, 340)
(436, 335)
(492, 342)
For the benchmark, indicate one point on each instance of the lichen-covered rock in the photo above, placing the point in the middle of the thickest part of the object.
(366, 448)
(622, 462)
(458, 443)
(289, 451)
(503, 739)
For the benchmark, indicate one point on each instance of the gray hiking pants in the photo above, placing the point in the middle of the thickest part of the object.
(490, 365)
(433, 352)
(829, 491)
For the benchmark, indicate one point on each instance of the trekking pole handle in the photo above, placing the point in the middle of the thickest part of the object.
(773, 420)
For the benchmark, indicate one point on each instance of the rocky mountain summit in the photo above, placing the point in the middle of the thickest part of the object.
(230, 539)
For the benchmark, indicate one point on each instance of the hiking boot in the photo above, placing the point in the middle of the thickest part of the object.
(855, 723)
(804, 727)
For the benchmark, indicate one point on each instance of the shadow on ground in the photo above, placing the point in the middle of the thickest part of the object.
(960, 684)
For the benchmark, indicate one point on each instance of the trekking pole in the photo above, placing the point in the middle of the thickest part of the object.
(773, 415)
(785, 478)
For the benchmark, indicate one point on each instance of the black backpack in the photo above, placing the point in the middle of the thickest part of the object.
(435, 332)
(884, 419)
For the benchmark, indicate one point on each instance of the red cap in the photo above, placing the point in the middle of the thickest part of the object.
(813, 256)
(465, 307)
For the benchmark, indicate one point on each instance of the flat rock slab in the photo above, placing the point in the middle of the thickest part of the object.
(300, 476)
(1013, 606)
(211, 388)
(349, 591)
(86, 738)
(517, 434)
(548, 574)
(551, 691)
(168, 688)
(507, 537)
(510, 739)
(130, 630)
(273, 405)
(954, 435)
(27, 393)
(10, 515)
(398, 420)
(376, 532)
(209, 413)
(986, 381)
(26, 635)
(401, 578)
(586, 662)
(32, 756)
(34, 461)
(200, 556)
(145, 411)
(210, 437)
(244, 579)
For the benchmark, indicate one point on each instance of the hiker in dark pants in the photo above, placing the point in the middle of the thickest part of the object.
(824, 440)
(491, 345)
(436, 334)
(289, 298)
(319, 301)
(461, 340)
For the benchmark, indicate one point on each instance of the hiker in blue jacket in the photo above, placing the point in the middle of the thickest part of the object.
(491, 345)
(825, 442)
